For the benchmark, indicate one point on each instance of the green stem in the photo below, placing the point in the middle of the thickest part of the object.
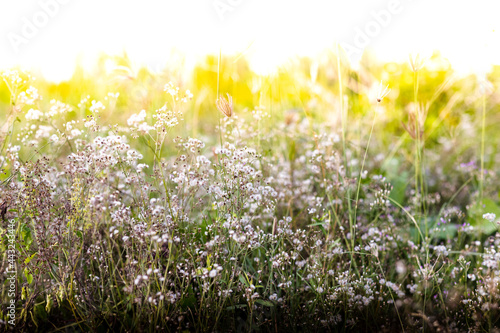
(363, 166)
(343, 115)
(417, 142)
(218, 83)
(483, 135)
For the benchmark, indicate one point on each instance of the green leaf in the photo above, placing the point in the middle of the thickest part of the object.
(209, 264)
(189, 300)
(26, 235)
(397, 178)
(201, 236)
(316, 224)
(265, 303)
(29, 277)
(233, 307)
(28, 259)
(40, 312)
(320, 224)
(475, 216)
(447, 231)
(243, 280)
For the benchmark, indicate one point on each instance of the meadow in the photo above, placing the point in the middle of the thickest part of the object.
(319, 198)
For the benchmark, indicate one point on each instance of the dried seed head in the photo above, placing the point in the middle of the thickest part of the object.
(225, 105)
(291, 117)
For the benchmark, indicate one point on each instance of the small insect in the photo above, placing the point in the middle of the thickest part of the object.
(225, 105)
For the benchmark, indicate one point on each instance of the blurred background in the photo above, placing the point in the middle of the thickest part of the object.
(280, 56)
(52, 36)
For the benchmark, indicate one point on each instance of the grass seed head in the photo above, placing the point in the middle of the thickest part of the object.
(382, 92)
(225, 105)
(416, 62)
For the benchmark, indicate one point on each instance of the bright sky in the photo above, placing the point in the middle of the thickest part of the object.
(50, 35)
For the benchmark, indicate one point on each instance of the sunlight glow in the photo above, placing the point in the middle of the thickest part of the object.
(51, 35)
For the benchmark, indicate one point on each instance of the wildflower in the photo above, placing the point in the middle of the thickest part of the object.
(400, 267)
(33, 114)
(96, 107)
(133, 155)
(135, 119)
(57, 107)
(225, 105)
(90, 122)
(165, 118)
(188, 96)
(28, 97)
(489, 216)
(301, 263)
(75, 132)
(169, 88)
(141, 166)
(441, 249)
(412, 288)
